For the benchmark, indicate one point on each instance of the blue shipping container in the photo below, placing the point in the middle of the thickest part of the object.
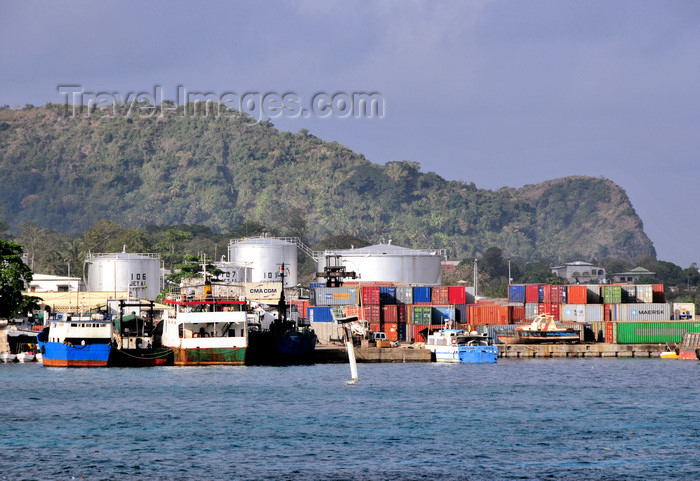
(540, 294)
(387, 295)
(516, 293)
(320, 314)
(440, 314)
(316, 285)
(421, 294)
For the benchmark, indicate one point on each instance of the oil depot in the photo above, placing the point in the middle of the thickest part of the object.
(259, 259)
(389, 263)
(137, 274)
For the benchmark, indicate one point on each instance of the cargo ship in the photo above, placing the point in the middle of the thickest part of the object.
(206, 330)
(137, 339)
(459, 346)
(542, 330)
(75, 341)
(284, 341)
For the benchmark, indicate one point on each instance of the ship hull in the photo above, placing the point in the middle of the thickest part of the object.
(209, 356)
(141, 357)
(537, 337)
(56, 354)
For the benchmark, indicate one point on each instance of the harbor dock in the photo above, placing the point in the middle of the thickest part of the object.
(338, 354)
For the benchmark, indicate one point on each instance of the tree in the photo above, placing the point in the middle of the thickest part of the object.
(14, 275)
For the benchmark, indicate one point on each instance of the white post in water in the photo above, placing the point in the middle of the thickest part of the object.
(351, 353)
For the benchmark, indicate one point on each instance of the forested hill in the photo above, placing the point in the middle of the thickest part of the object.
(68, 172)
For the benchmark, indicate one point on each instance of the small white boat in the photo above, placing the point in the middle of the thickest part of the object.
(8, 357)
(25, 356)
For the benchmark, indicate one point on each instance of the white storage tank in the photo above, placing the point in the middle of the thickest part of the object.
(264, 256)
(139, 274)
(234, 272)
(391, 263)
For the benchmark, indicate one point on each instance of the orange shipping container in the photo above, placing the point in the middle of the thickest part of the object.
(576, 294)
(480, 315)
(440, 295)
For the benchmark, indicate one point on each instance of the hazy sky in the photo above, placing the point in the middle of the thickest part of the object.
(499, 93)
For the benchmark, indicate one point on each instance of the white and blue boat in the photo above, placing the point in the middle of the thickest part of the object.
(71, 341)
(459, 346)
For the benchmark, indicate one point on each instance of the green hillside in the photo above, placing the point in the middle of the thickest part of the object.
(68, 172)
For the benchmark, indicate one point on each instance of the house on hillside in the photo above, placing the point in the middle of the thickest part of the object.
(633, 276)
(579, 272)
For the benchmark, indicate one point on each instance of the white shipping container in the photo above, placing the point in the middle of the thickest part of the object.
(594, 313)
(593, 293)
(573, 312)
(531, 311)
(645, 293)
(641, 312)
(683, 311)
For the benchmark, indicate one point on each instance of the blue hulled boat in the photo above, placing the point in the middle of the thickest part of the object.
(69, 341)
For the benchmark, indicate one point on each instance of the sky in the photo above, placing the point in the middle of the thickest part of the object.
(499, 93)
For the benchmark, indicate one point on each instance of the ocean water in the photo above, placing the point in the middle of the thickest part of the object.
(601, 419)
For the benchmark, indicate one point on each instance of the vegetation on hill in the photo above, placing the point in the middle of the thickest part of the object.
(230, 176)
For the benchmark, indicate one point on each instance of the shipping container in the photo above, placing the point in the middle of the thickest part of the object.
(649, 332)
(333, 296)
(683, 311)
(556, 294)
(404, 295)
(440, 295)
(532, 293)
(387, 295)
(594, 313)
(461, 314)
(456, 295)
(645, 293)
(573, 312)
(629, 293)
(375, 327)
(403, 331)
(469, 295)
(576, 294)
(543, 294)
(549, 308)
(598, 328)
(422, 294)
(320, 314)
(402, 313)
(372, 313)
(352, 311)
(517, 313)
(531, 311)
(659, 294)
(422, 315)
(440, 314)
(316, 285)
(611, 294)
(416, 332)
(516, 293)
(641, 312)
(390, 314)
(480, 315)
(391, 329)
(594, 294)
(370, 295)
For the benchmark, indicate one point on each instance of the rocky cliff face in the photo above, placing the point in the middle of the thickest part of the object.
(68, 172)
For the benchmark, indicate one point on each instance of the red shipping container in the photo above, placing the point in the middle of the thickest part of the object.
(456, 295)
(390, 314)
(549, 308)
(417, 332)
(607, 313)
(576, 295)
(547, 290)
(659, 295)
(608, 331)
(403, 313)
(372, 313)
(517, 314)
(440, 295)
(351, 311)
(375, 327)
(370, 295)
(556, 294)
(392, 336)
(531, 293)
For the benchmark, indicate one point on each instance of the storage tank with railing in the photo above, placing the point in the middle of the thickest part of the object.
(390, 263)
(139, 274)
(264, 256)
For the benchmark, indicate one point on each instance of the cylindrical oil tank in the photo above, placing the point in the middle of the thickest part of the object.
(139, 274)
(389, 263)
(265, 256)
(234, 272)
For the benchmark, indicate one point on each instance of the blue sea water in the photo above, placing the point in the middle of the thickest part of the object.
(602, 419)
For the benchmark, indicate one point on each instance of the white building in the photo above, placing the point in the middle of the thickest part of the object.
(580, 272)
(49, 283)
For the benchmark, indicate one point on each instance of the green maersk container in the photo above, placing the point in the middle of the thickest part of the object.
(651, 332)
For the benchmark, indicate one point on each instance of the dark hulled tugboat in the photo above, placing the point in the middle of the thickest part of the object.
(286, 342)
(136, 339)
